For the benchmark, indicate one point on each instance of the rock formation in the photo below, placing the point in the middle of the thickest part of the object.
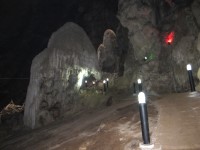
(26, 27)
(198, 85)
(163, 70)
(107, 53)
(57, 74)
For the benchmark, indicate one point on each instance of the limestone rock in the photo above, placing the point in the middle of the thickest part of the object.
(196, 11)
(144, 42)
(183, 54)
(57, 74)
(107, 52)
(163, 70)
(198, 43)
(198, 76)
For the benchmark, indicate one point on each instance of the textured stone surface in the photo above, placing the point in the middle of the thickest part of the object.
(198, 76)
(195, 9)
(144, 40)
(198, 43)
(26, 27)
(164, 70)
(108, 52)
(57, 74)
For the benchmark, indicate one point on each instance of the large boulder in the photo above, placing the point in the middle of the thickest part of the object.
(108, 52)
(57, 75)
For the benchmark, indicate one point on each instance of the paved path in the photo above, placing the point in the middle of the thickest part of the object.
(178, 125)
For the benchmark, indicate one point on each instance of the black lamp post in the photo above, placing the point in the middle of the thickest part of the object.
(191, 80)
(144, 118)
(104, 85)
(86, 85)
(107, 80)
(134, 87)
(140, 85)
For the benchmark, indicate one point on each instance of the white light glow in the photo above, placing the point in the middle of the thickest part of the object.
(189, 67)
(139, 81)
(107, 79)
(93, 82)
(85, 81)
(141, 98)
(145, 58)
(104, 81)
(81, 75)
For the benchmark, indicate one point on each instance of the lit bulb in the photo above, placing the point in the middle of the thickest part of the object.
(93, 82)
(139, 81)
(104, 81)
(141, 97)
(107, 79)
(85, 81)
(189, 67)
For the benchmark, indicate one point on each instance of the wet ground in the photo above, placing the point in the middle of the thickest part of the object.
(116, 127)
(178, 125)
(174, 122)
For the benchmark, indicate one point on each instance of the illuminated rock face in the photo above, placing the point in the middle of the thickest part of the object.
(57, 74)
(144, 42)
(164, 69)
(107, 53)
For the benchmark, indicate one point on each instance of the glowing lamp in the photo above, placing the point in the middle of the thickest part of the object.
(93, 82)
(189, 67)
(191, 80)
(104, 86)
(139, 81)
(85, 81)
(141, 98)
(169, 38)
(144, 120)
(107, 82)
(145, 58)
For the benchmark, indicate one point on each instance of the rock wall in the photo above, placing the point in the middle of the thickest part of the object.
(164, 67)
(57, 74)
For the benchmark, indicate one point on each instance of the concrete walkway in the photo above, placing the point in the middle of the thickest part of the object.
(178, 125)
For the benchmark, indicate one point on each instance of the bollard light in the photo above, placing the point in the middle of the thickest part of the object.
(107, 80)
(139, 81)
(139, 85)
(141, 98)
(145, 58)
(86, 83)
(104, 85)
(189, 67)
(144, 118)
(191, 80)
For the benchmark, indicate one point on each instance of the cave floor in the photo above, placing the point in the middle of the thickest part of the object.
(178, 126)
(115, 127)
(174, 123)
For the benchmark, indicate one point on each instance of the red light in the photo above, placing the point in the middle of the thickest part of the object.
(170, 38)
